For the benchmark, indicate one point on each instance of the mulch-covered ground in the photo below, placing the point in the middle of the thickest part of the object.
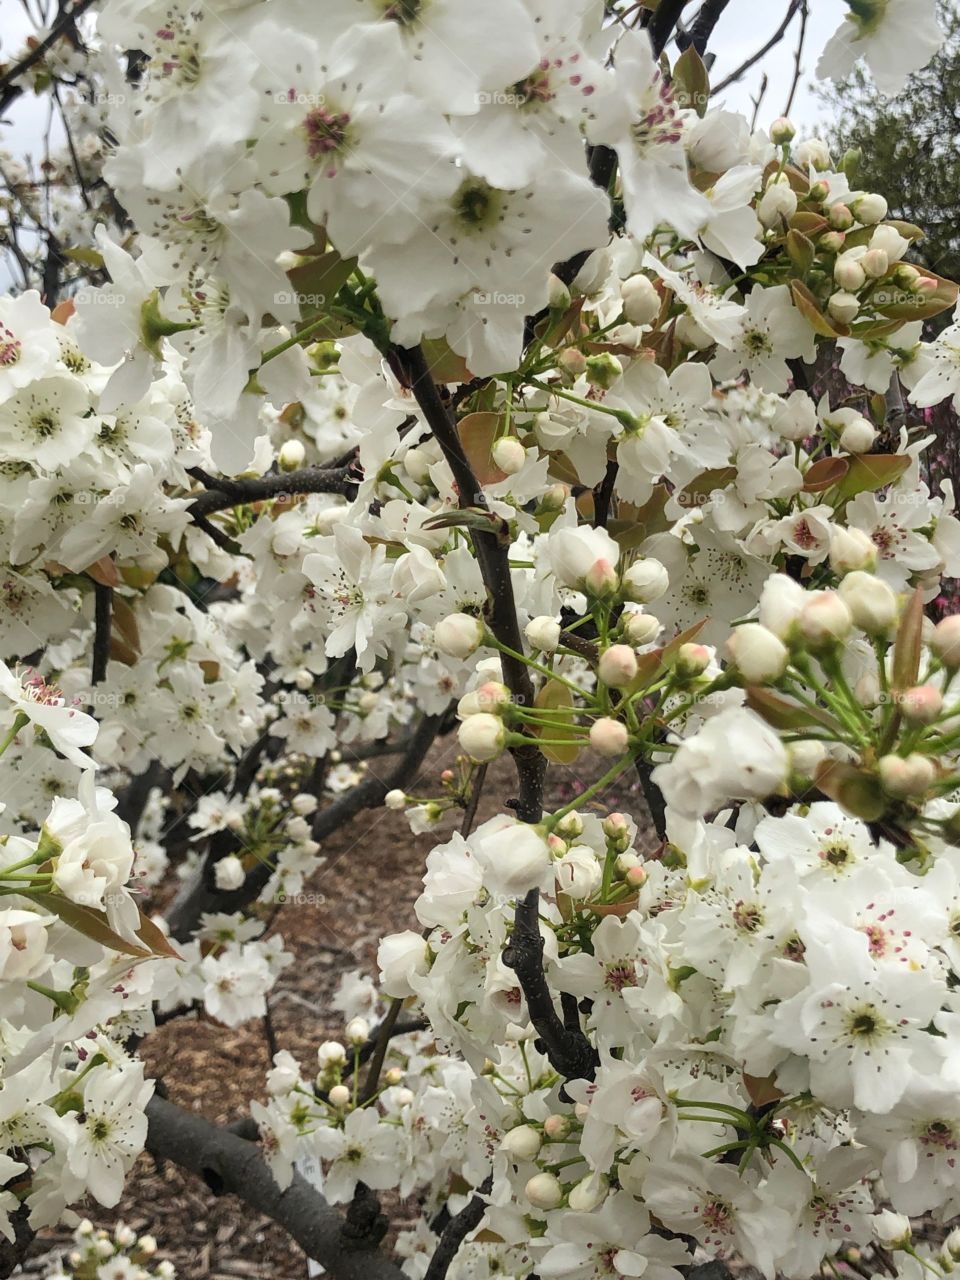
(366, 888)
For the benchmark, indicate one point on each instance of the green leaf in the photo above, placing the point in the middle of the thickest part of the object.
(868, 472)
(91, 923)
(691, 83)
(801, 249)
(556, 696)
(316, 281)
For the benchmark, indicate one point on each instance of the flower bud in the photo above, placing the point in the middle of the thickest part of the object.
(554, 498)
(889, 239)
(805, 757)
(796, 417)
(543, 632)
(906, 277)
(840, 217)
(578, 873)
(922, 704)
(291, 456)
(331, 1053)
(522, 1143)
(570, 826)
(875, 263)
(641, 302)
(572, 361)
(758, 655)
(228, 872)
(600, 579)
(544, 1191)
(339, 1096)
(843, 306)
(815, 152)
(492, 696)
(509, 455)
(416, 463)
(691, 660)
(636, 877)
(582, 555)
(603, 370)
(778, 202)
(893, 1230)
(645, 581)
(858, 435)
(617, 666)
(616, 830)
(482, 737)
(945, 641)
(912, 776)
(393, 1077)
(609, 737)
(872, 603)
(589, 1193)
(849, 274)
(782, 131)
(458, 635)
(869, 208)
(558, 295)
(357, 1032)
(304, 804)
(557, 1127)
(833, 241)
(640, 628)
(395, 799)
(851, 549)
(824, 620)
(819, 191)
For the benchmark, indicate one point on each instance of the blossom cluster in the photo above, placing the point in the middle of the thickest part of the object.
(467, 367)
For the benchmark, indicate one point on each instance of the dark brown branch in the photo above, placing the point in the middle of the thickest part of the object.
(797, 56)
(102, 613)
(476, 791)
(231, 1164)
(381, 1041)
(569, 1050)
(223, 492)
(664, 23)
(456, 1231)
(699, 33)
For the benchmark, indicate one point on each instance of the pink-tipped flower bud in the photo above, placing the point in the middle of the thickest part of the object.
(617, 666)
(557, 1127)
(483, 737)
(824, 621)
(458, 635)
(609, 737)
(910, 776)
(691, 660)
(945, 641)
(922, 704)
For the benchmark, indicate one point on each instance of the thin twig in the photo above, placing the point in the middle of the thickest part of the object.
(752, 61)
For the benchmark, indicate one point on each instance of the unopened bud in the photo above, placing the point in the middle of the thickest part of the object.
(912, 776)
(589, 1193)
(572, 361)
(824, 621)
(609, 737)
(557, 1127)
(782, 131)
(641, 302)
(851, 549)
(640, 628)
(458, 635)
(291, 456)
(558, 295)
(922, 704)
(339, 1096)
(357, 1031)
(603, 370)
(617, 666)
(482, 736)
(395, 799)
(875, 263)
(843, 306)
(691, 660)
(872, 603)
(840, 217)
(869, 208)
(522, 1143)
(543, 633)
(509, 455)
(544, 1191)
(645, 580)
(945, 641)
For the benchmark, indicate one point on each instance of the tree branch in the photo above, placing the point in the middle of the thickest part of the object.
(699, 33)
(456, 1231)
(228, 1163)
(103, 612)
(202, 895)
(223, 492)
